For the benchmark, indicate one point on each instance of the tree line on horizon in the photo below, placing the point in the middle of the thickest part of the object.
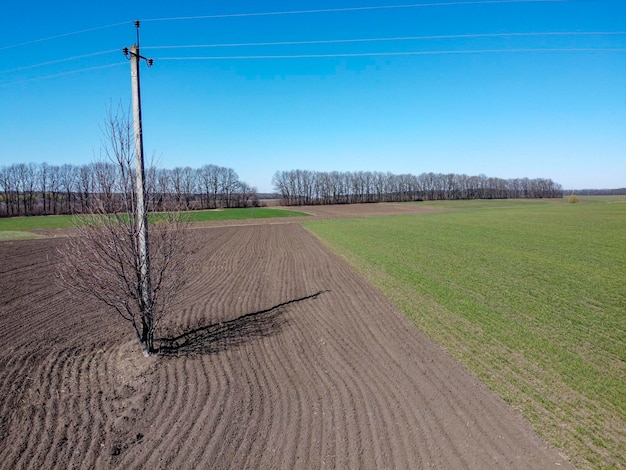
(304, 187)
(43, 189)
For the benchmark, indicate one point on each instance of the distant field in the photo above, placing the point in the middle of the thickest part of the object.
(25, 224)
(14, 235)
(22, 227)
(243, 214)
(529, 295)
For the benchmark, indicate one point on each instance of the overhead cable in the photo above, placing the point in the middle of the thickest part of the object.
(57, 61)
(333, 10)
(403, 38)
(61, 74)
(270, 13)
(73, 33)
(383, 54)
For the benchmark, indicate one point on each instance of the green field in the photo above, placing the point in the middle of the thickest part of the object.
(529, 295)
(14, 228)
(242, 214)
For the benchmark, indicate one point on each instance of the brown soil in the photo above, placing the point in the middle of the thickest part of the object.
(280, 356)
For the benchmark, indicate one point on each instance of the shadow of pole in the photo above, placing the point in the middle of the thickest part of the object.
(220, 336)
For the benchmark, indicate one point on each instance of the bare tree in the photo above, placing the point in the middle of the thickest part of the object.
(68, 179)
(102, 257)
(85, 186)
(189, 183)
(228, 184)
(8, 181)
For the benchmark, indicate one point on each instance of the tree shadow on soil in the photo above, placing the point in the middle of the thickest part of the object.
(220, 336)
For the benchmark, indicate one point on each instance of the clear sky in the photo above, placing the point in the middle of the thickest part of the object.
(546, 104)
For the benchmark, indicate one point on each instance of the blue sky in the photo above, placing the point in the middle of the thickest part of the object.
(544, 105)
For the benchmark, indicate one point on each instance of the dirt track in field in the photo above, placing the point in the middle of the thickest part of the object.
(280, 356)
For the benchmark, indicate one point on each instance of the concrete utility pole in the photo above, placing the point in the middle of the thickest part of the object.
(140, 189)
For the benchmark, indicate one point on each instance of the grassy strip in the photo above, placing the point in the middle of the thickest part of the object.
(25, 224)
(53, 222)
(243, 214)
(13, 235)
(528, 296)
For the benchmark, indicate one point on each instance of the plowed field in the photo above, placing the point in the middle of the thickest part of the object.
(277, 356)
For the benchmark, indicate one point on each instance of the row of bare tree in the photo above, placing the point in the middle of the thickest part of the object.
(299, 187)
(42, 189)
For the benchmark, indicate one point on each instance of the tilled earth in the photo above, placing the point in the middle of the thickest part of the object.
(278, 356)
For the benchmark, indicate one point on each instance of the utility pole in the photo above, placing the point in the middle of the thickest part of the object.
(140, 192)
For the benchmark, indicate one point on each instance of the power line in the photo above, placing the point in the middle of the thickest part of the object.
(404, 38)
(34, 41)
(331, 41)
(383, 54)
(333, 10)
(337, 55)
(274, 13)
(50, 62)
(89, 69)
(318, 42)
